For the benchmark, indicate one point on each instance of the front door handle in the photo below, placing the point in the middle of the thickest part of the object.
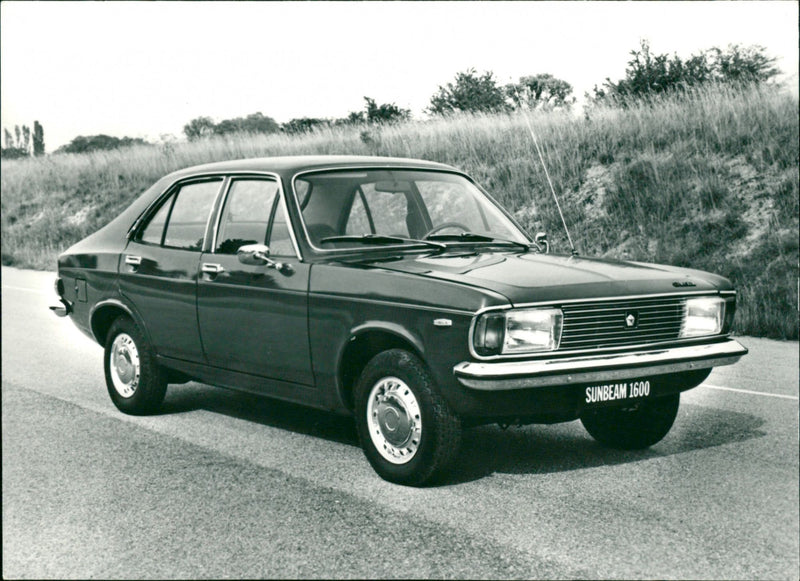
(210, 268)
(133, 260)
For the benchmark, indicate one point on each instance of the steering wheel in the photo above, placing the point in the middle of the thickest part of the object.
(445, 226)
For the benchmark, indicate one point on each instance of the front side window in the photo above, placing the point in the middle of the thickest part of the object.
(180, 222)
(254, 214)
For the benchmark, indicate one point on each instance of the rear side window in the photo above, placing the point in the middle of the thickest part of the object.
(181, 220)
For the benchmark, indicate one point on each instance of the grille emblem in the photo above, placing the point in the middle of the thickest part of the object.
(631, 319)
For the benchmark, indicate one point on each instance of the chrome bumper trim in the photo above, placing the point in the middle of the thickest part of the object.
(596, 368)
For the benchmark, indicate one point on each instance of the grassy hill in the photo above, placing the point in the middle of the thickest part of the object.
(707, 180)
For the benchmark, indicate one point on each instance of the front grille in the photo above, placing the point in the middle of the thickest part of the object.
(603, 324)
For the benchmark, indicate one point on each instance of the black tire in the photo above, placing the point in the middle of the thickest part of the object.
(633, 427)
(405, 408)
(136, 389)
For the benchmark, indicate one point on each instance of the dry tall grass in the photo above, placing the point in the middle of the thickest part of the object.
(708, 179)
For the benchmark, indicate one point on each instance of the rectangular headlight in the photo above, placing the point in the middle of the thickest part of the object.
(518, 331)
(704, 316)
(532, 330)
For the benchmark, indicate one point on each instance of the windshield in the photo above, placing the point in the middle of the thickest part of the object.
(345, 209)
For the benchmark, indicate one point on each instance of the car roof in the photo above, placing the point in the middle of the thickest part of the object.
(291, 165)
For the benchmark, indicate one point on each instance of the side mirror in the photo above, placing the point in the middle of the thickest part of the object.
(258, 255)
(253, 254)
(541, 241)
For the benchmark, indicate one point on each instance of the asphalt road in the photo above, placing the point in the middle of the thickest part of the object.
(224, 485)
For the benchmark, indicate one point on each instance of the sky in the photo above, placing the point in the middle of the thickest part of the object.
(144, 69)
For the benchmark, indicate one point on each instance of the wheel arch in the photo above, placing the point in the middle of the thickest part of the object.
(365, 342)
(105, 313)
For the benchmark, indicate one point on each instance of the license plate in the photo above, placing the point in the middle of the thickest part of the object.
(621, 390)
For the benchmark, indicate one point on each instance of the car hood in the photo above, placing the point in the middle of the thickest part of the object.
(532, 277)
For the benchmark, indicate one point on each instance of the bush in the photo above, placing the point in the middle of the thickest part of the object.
(13, 153)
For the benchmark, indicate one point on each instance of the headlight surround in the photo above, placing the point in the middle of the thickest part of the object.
(518, 331)
(704, 316)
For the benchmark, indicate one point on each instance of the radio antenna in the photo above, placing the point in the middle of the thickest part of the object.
(547, 174)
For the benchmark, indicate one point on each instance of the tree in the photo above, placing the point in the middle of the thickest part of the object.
(85, 144)
(385, 113)
(253, 123)
(648, 74)
(353, 118)
(374, 113)
(38, 139)
(18, 144)
(539, 91)
(470, 92)
(198, 128)
(258, 123)
(743, 63)
(304, 124)
(26, 138)
(202, 127)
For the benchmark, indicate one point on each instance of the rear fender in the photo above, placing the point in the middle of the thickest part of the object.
(104, 313)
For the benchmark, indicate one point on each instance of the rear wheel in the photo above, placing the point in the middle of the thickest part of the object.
(408, 433)
(633, 427)
(135, 382)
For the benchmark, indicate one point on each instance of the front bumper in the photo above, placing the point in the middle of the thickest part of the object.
(506, 375)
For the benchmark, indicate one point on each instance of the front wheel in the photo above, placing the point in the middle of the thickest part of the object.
(635, 427)
(408, 433)
(135, 382)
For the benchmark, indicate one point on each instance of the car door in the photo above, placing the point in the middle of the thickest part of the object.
(253, 318)
(158, 271)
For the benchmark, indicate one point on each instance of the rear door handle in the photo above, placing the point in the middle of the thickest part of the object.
(210, 268)
(133, 260)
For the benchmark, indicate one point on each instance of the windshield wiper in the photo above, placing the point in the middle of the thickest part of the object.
(383, 239)
(473, 237)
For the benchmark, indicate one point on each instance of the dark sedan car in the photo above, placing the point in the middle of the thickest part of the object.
(396, 290)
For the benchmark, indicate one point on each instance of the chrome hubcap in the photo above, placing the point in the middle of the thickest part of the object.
(124, 365)
(395, 422)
